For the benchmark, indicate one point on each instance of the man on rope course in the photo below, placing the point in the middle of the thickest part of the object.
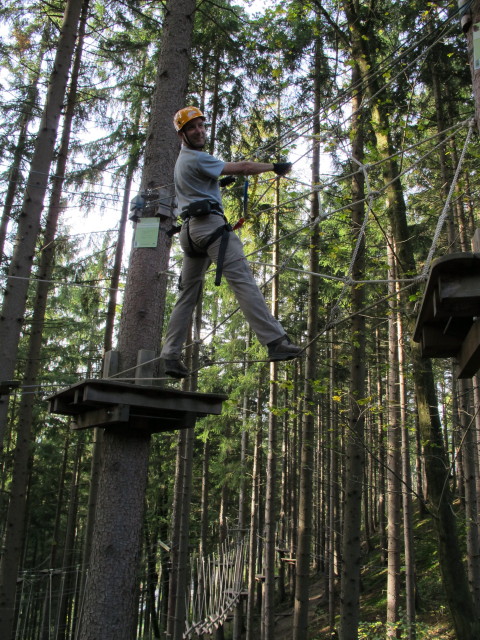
(206, 237)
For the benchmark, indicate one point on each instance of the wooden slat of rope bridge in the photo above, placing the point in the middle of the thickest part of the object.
(216, 588)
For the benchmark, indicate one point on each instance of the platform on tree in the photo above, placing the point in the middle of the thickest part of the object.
(115, 404)
(448, 324)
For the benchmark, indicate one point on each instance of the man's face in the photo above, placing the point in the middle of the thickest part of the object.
(194, 133)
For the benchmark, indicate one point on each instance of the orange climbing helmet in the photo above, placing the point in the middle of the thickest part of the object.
(183, 116)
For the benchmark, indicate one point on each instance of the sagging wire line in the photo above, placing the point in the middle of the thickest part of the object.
(377, 193)
(312, 192)
(114, 196)
(444, 214)
(212, 332)
(455, 128)
(81, 285)
(61, 283)
(344, 279)
(58, 283)
(348, 92)
(347, 280)
(334, 318)
(337, 322)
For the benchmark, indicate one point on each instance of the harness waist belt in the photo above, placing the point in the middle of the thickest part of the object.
(201, 208)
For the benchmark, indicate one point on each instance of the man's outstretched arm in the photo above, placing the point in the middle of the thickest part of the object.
(250, 168)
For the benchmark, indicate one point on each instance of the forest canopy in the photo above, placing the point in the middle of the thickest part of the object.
(322, 475)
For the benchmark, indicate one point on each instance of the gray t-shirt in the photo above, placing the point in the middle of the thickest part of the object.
(196, 177)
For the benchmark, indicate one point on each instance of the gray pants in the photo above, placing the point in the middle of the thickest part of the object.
(237, 273)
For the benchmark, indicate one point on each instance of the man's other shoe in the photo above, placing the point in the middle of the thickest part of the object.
(283, 349)
(176, 369)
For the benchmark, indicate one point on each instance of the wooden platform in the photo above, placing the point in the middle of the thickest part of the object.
(115, 404)
(448, 324)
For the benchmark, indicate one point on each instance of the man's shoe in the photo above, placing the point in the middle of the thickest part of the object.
(176, 369)
(283, 349)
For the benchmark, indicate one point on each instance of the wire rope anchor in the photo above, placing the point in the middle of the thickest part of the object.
(152, 203)
(137, 207)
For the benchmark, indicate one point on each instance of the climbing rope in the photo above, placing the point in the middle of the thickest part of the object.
(446, 207)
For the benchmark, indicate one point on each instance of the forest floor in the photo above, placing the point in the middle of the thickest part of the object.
(433, 622)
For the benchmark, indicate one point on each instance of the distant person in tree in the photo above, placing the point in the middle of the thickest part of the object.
(206, 237)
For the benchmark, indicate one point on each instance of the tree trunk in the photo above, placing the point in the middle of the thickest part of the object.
(333, 492)
(175, 532)
(409, 550)
(471, 499)
(110, 599)
(15, 298)
(64, 620)
(14, 174)
(238, 611)
(268, 620)
(381, 480)
(254, 524)
(355, 457)
(11, 558)
(305, 510)
(393, 464)
(182, 567)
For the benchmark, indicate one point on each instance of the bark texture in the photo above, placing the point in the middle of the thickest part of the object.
(29, 222)
(110, 605)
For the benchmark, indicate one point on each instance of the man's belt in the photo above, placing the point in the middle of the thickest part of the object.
(200, 208)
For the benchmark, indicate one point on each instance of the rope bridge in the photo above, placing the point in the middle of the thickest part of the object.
(216, 586)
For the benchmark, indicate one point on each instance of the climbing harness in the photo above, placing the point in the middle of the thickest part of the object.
(201, 208)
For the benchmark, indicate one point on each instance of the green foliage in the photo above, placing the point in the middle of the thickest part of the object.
(378, 631)
(255, 78)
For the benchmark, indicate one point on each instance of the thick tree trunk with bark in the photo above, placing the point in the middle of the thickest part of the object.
(355, 456)
(15, 297)
(110, 599)
(26, 117)
(13, 543)
(144, 302)
(305, 510)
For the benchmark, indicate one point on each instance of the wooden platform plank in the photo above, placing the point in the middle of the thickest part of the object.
(103, 417)
(469, 356)
(437, 344)
(124, 405)
(101, 392)
(458, 295)
(449, 308)
(138, 396)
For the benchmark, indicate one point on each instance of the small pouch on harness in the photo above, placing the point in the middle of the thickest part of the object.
(198, 208)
